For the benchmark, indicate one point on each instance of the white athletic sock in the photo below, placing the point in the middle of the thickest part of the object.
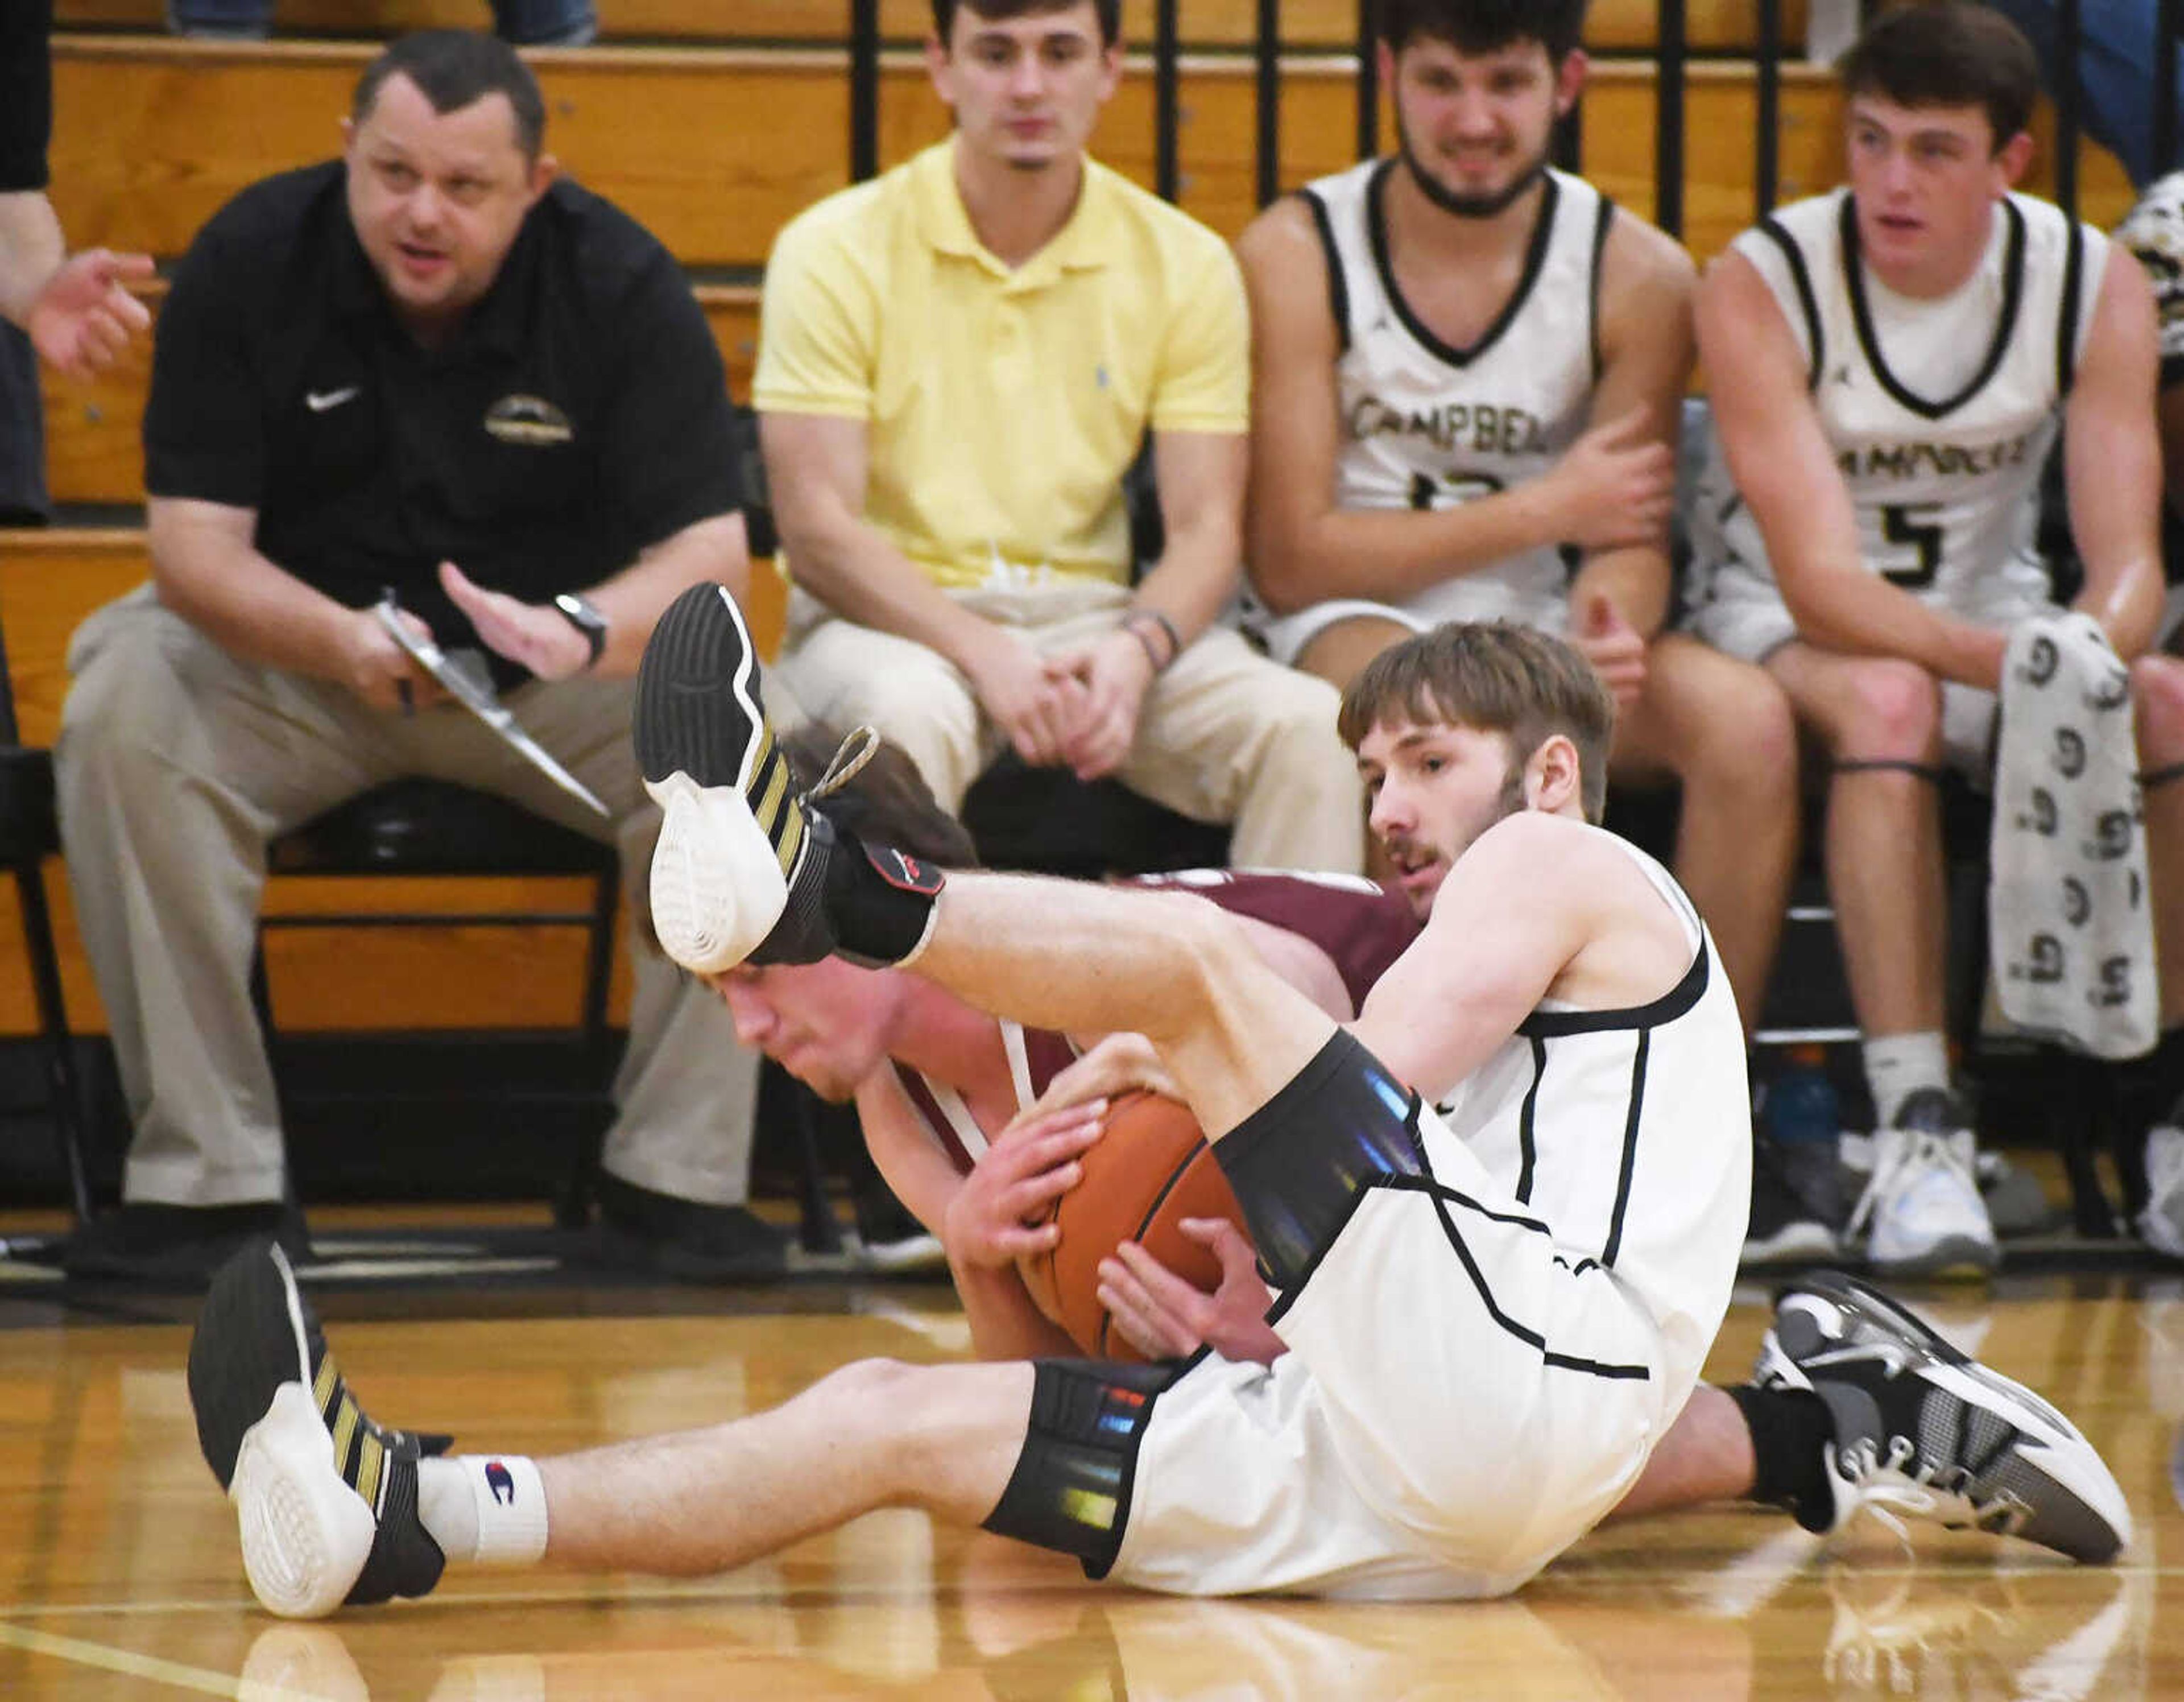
(1898, 1066)
(490, 1508)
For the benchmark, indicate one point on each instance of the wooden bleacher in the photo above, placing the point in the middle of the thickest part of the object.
(1611, 25)
(713, 144)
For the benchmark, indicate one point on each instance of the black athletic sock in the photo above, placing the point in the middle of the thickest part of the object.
(878, 901)
(1792, 1429)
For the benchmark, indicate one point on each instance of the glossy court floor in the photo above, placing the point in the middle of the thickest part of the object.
(120, 1575)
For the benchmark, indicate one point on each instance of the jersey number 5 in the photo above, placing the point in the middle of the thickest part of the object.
(1903, 523)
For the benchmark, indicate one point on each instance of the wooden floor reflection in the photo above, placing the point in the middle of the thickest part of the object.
(119, 1573)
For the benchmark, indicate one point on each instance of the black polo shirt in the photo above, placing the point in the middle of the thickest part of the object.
(26, 92)
(579, 413)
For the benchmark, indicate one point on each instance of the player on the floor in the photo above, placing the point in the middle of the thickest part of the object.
(1561, 992)
(942, 1090)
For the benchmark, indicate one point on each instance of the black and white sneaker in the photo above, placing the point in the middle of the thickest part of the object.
(1784, 1228)
(1921, 1429)
(739, 870)
(326, 1499)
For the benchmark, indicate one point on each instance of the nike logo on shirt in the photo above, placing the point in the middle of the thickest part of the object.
(317, 401)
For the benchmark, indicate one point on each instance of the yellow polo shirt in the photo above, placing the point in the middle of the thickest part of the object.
(1003, 406)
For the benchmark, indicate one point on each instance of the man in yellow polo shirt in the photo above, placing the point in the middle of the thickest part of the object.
(959, 361)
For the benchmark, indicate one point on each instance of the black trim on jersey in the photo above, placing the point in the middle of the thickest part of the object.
(1637, 1106)
(2066, 324)
(1338, 286)
(1443, 1198)
(1524, 1116)
(2013, 292)
(1774, 230)
(1536, 257)
(1602, 220)
(1667, 1008)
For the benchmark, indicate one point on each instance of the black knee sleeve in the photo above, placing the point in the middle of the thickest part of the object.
(1298, 1163)
(1071, 1488)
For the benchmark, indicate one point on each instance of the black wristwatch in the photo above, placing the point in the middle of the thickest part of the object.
(587, 620)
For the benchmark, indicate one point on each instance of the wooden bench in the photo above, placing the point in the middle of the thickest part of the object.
(434, 977)
(715, 148)
(1611, 25)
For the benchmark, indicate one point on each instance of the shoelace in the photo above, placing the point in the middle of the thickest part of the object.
(1892, 1162)
(859, 745)
(1933, 1491)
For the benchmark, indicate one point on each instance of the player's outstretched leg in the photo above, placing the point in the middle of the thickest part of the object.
(326, 1499)
(745, 869)
(1923, 1430)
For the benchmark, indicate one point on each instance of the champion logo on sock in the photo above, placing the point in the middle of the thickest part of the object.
(908, 873)
(497, 1477)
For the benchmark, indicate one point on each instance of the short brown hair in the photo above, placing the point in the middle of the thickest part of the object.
(944, 11)
(1485, 26)
(1948, 53)
(1498, 677)
(453, 68)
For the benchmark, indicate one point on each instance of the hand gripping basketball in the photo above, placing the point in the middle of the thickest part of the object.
(1150, 1169)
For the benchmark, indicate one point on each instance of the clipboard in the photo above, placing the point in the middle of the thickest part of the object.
(463, 676)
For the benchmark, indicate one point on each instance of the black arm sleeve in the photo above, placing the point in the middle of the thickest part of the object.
(26, 92)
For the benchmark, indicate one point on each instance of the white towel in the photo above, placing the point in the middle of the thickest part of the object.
(2070, 922)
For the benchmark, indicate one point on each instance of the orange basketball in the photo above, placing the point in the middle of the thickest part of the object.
(1150, 1167)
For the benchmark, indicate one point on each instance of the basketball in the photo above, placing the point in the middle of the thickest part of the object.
(1150, 1169)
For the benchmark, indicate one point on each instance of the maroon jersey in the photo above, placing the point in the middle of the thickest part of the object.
(1360, 924)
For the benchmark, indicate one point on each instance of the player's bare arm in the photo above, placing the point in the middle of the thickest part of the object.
(817, 468)
(1002, 1213)
(2112, 460)
(1304, 548)
(1647, 344)
(1779, 456)
(1539, 907)
(915, 1170)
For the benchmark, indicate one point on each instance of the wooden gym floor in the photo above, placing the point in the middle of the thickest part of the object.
(120, 1575)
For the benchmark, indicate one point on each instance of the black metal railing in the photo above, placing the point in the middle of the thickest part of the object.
(1672, 59)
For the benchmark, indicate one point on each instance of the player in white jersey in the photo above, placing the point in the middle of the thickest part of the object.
(2154, 232)
(1467, 1383)
(1888, 365)
(1469, 374)
(943, 1091)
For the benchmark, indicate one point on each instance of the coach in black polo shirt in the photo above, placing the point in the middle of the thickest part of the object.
(430, 367)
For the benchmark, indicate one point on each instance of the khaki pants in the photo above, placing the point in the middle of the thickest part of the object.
(1224, 735)
(178, 762)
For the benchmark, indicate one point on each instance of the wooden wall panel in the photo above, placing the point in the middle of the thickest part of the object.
(475, 976)
(714, 150)
(1610, 25)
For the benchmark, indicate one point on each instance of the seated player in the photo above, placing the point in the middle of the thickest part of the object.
(1563, 1240)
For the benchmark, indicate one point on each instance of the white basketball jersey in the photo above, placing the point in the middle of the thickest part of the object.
(1945, 481)
(1628, 1133)
(1426, 425)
